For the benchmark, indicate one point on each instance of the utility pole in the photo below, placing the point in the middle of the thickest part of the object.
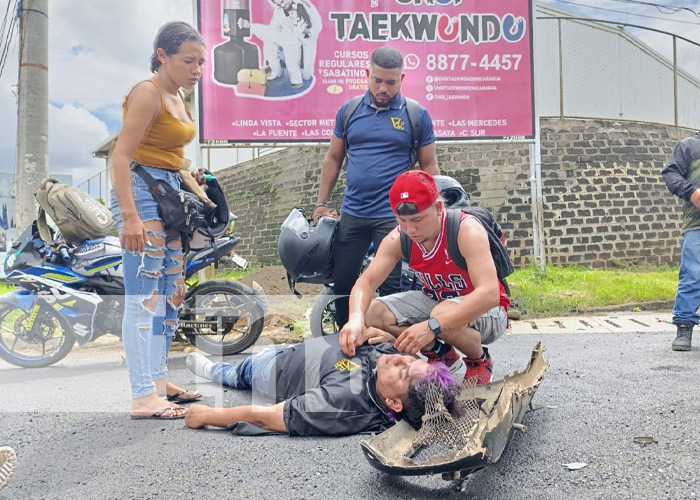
(33, 108)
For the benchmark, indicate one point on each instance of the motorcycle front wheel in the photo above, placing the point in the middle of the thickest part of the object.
(48, 340)
(237, 312)
(322, 319)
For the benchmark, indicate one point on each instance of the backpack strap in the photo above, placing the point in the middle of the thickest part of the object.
(350, 109)
(454, 219)
(413, 110)
(42, 224)
(406, 246)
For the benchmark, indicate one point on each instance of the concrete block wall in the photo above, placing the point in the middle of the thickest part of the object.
(604, 202)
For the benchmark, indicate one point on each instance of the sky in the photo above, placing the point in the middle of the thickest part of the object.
(99, 48)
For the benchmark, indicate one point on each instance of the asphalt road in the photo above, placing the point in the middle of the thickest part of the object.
(69, 427)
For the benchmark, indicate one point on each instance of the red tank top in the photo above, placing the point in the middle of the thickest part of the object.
(439, 276)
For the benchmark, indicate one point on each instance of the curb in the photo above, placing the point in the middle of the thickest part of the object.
(631, 307)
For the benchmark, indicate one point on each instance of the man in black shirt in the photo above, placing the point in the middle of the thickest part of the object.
(321, 391)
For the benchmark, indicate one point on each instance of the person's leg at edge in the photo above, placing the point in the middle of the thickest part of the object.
(352, 237)
(392, 284)
(688, 293)
(141, 276)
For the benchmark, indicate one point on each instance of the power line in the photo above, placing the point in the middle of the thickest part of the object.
(7, 33)
(660, 7)
(628, 13)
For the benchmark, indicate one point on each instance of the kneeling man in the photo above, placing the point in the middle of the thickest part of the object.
(454, 308)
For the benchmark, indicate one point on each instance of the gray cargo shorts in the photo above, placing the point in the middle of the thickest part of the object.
(414, 306)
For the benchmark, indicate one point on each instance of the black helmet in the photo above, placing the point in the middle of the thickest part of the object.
(452, 191)
(218, 221)
(306, 249)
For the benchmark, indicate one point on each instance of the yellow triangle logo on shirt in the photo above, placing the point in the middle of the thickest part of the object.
(346, 365)
(397, 123)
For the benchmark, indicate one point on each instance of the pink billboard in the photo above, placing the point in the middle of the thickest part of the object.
(278, 70)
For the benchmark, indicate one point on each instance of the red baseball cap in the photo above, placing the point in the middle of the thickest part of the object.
(414, 186)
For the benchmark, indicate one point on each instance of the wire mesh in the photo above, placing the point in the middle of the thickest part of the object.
(593, 69)
(442, 431)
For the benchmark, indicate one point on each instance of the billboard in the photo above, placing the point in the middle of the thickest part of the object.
(278, 70)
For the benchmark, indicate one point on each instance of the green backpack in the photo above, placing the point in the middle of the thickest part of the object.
(77, 215)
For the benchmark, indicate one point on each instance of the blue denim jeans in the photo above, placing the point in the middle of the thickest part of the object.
(688, 293)
(254, 372)
(147, 331)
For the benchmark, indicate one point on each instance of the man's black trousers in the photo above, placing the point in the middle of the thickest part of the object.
(352, 238)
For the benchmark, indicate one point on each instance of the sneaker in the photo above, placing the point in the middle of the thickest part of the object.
(451, 359)
(684, 335)
(199, 365)
(481, 369)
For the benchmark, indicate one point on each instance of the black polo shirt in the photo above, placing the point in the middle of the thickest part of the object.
(327, 392)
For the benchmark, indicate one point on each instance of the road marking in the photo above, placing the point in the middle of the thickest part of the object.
(612, 323)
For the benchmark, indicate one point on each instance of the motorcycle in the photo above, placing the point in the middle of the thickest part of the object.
(322, 320)
(66, 294)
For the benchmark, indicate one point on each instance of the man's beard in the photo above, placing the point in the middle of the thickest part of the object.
(378, 104)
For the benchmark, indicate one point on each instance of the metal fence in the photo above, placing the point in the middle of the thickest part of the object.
(98, 186)
(598, 69)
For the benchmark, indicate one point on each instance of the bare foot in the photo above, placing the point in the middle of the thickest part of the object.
(195, 416)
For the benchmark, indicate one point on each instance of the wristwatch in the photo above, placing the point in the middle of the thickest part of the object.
(434, 325)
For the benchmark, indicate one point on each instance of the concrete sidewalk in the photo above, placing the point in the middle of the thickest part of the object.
(614, 322)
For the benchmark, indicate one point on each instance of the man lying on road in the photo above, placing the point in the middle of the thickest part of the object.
(321, 391)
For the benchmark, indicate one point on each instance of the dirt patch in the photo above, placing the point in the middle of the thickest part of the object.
(273, 279)
(285, 310)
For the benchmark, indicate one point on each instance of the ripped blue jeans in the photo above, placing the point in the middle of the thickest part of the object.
(153, 289)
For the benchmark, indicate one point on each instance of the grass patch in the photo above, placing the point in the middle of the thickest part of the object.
(6, 287)
(561, 291)
(238, 273)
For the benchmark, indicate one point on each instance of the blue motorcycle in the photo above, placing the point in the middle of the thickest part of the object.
(66, 294)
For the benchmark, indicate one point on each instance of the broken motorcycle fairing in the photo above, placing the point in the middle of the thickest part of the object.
(459, 446)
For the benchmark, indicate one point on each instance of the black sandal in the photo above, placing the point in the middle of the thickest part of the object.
(175, 398)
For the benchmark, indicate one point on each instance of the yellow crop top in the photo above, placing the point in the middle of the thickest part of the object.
(164, 144)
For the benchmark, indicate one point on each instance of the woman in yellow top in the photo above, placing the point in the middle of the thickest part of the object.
(156, 127)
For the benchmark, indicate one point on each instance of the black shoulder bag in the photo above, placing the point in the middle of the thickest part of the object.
(178, 209)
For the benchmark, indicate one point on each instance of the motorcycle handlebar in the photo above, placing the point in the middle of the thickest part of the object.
(64, 253)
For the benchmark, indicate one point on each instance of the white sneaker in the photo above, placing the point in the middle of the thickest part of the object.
(199, 365)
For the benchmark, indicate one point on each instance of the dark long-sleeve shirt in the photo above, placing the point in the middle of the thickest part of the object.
(682, 177)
